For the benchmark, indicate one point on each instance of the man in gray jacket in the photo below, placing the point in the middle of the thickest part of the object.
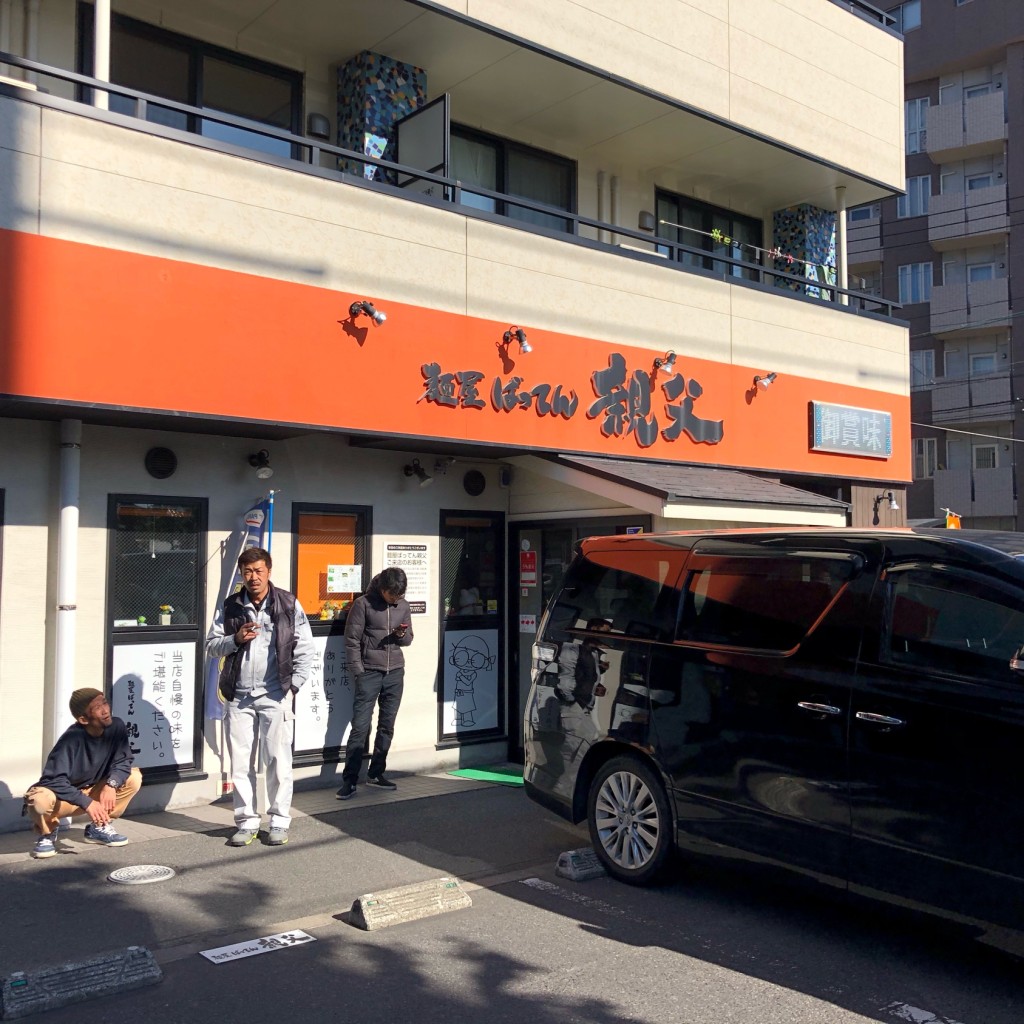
(264, 638)
(377, 628)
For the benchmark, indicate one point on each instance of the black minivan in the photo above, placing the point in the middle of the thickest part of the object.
(844, 703)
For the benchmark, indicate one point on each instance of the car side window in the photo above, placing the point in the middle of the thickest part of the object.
(642, 603)
(765, 602)
(953, 623)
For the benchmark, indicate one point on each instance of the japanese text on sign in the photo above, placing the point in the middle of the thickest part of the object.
(155, 695)
(847, 429)
(626, 402)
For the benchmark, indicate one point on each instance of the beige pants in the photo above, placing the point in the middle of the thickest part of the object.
(45, 810)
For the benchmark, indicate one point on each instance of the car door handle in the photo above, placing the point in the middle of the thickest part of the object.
(868, 716)
(821, 709)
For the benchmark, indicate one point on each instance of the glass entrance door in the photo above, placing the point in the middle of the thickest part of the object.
(539, 554)
(471, 694)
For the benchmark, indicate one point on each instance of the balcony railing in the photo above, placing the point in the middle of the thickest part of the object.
(864, 242)
(966, 307)
(868, 12)
(986, 397)
(973, 127)
(965, 219)
(976, 492)
(415, 184)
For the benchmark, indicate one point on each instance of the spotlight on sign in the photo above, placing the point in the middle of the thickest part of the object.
(368, 309)
(415, 469)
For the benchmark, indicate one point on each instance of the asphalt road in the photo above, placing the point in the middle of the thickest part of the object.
(706, 947)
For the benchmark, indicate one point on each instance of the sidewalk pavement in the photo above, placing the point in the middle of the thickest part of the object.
(152, 827)
(64, 909)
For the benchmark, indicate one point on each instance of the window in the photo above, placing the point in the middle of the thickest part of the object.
(915, 282)
(983, 362)
(501, 165)
(915, 124)
(925, 457)
(859, 213)
(975, 181)
(954, 624)
(907, 15)
(696, 221)
(640, 601)
(199, 74)
(922, 367)
(985, 457)
(915, 202)
(767, 602)
(331, 557)
(970, 91)
(980, 272)
(156, 561)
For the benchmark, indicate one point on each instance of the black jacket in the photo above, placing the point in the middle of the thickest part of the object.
(369, 643)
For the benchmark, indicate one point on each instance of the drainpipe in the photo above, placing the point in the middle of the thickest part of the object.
(67, 571)
(31, 32)
(5, 25)
(614, 204)
(841, 278)
(101, 51)
(600, 205)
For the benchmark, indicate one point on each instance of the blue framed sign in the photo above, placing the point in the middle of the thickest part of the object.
(847, 430)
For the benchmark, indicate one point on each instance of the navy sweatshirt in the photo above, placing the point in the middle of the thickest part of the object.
(78, 761)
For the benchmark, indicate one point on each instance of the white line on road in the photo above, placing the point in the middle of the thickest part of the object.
(572, 897)
(915, 1015)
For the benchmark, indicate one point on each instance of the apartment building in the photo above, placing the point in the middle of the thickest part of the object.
(444, 284)
(946, 249)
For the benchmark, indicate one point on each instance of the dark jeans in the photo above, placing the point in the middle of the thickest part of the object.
(385, 690)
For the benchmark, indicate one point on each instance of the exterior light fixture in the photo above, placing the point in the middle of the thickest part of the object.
(260, 461)
(517, 334)
(889, 497)
(764, 382)
(665, 363)
(415, 469)
(369, 309)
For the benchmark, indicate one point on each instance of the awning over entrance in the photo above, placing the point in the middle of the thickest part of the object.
(687, 492)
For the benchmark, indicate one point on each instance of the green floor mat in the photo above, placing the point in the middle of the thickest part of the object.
(505, 775)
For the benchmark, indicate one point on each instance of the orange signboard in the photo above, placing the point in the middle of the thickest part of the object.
(93, 326)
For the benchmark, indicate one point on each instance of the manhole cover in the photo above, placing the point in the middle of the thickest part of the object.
(141, 874)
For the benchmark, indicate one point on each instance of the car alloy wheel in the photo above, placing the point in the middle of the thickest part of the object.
(629, 819)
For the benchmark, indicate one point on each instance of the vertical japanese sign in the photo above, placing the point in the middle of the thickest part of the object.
(415, 560)
(155, 695)
(323, 707)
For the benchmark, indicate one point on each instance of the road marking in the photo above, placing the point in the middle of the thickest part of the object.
(915, 1015)
(573, 897)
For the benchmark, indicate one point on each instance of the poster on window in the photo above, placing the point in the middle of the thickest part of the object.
(323, 707)
(470, 681)
(155, 695)
(415, 560)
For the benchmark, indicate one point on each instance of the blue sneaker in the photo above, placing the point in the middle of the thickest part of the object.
(104, 835)
(45, 847)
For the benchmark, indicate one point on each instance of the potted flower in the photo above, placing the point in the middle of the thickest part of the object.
(165, 614)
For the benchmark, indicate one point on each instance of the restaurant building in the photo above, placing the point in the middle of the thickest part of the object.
(448, 285)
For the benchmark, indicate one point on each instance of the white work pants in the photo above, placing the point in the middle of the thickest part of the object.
(252, 723)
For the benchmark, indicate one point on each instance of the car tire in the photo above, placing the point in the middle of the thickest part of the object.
(630, 821)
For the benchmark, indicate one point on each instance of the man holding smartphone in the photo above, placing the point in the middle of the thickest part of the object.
(377, 629)
(264, 638)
